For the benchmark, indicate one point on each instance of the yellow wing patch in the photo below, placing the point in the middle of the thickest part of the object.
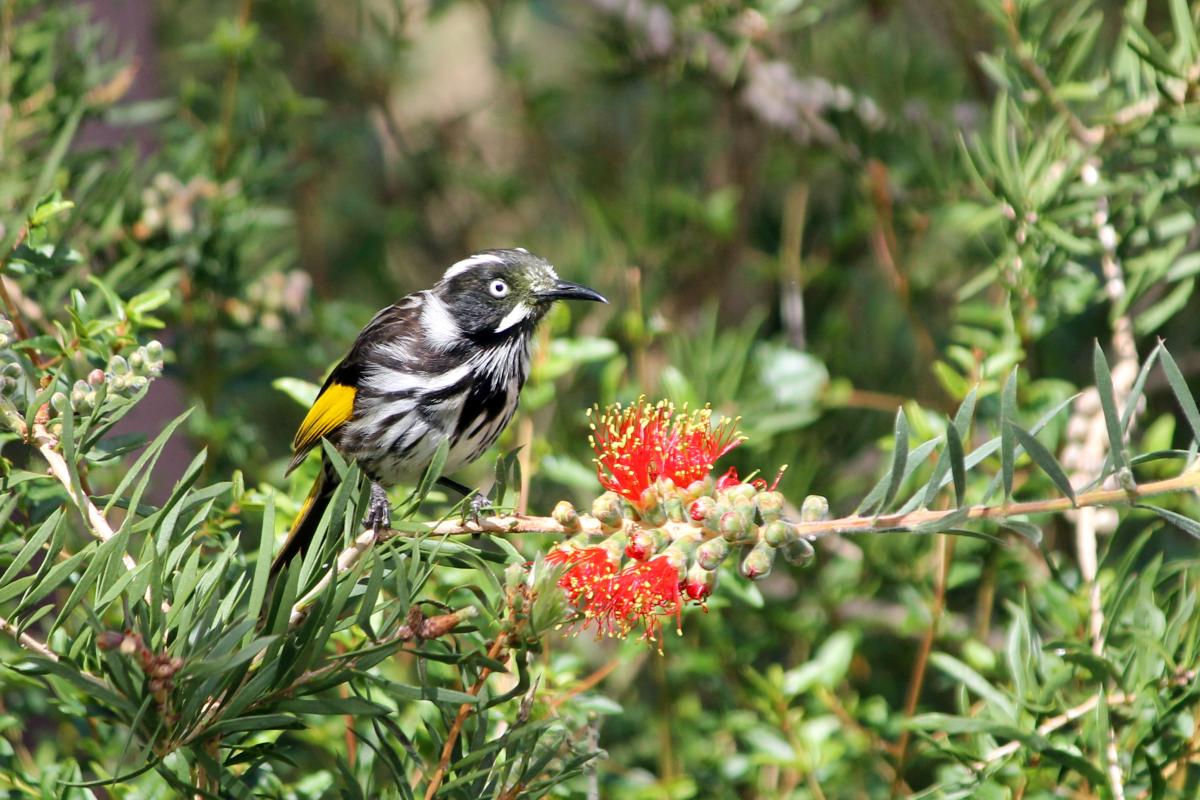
(333, 407)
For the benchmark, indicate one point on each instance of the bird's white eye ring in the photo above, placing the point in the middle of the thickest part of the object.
(498, 288)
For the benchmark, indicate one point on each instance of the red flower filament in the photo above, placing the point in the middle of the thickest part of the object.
(638, 595)
(636, 446)
(586, 568)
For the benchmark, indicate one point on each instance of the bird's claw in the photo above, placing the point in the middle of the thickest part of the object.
(480, 503)
(379, 510)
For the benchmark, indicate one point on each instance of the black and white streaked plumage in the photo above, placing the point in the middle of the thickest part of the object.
(447, 363)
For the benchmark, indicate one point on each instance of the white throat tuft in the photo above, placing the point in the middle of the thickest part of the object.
(519, 313)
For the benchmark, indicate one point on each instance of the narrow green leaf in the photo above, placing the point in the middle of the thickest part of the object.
(957, 430)
(997, 700)
(355, 706)
(148, 455)
(1008, 411)
(1139, 386)
(1185, 524)
(899, 458)
(1046, 460)
(1026, 529)
(954, 450)
(262, 568)
(1108, 404)
(33, 545)
(1183, 395)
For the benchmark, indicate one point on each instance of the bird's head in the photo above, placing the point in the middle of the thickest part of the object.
(497, 293)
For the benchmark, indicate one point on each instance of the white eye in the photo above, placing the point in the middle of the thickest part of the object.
(498, 288)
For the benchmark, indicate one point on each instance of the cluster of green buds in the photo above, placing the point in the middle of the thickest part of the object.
(123, 378)
(127, 376)
(8, 333)
(10, 378)
(749, 516)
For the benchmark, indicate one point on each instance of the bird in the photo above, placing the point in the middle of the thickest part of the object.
(441, 365)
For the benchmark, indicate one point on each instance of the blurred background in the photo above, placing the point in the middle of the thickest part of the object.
(807, 213)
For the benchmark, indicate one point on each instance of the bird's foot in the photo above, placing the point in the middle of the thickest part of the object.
(379, 509)
(479, 505)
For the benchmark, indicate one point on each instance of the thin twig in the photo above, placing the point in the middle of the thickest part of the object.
(945, 554)
(464, 711)
(1054, 723)
(35, 645)
(587, 683)
(97, 524)
(1089, 137)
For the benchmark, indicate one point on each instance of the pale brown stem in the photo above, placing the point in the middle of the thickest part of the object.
(516, 524)
(1054, 723)
(35, 645)
(97, 524)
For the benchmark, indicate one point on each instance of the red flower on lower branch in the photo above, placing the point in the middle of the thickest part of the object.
(638, 595)
(587, 567)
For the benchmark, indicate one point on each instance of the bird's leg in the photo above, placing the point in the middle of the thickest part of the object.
(480, 502)
(379, 510)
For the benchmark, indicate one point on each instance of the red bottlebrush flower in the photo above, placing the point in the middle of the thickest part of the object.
(636, 446)
(586, 568)
(638, 595)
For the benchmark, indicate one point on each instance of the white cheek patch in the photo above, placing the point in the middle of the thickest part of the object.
(518, 314)
(439, 326)
(470, 263)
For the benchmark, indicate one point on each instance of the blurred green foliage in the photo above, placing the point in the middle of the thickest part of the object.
(806, 212)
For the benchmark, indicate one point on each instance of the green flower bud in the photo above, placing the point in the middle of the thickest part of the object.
(746, 510)
(665, 486)
(757, 564)
(731, 526)
(137, 360)
(607, 508)
(778, 533)
(712, 520)
(565, 514)
(815, 509)
(615, 545)
(698, 489)
(117, 365)
(699, 583)
(770, 505)
(646, 542)
(59, 402)
(674, 508)
(798, 552)
(683, 547)
(740, 491)
(11, 370)
(79, 393)
(138, 382)
(711, 553)
(154, 350)
(699, 508)
(649, 507)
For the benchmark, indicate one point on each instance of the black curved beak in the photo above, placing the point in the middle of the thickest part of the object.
(565, 290)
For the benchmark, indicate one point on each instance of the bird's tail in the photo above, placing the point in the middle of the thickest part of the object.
(304, 527)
